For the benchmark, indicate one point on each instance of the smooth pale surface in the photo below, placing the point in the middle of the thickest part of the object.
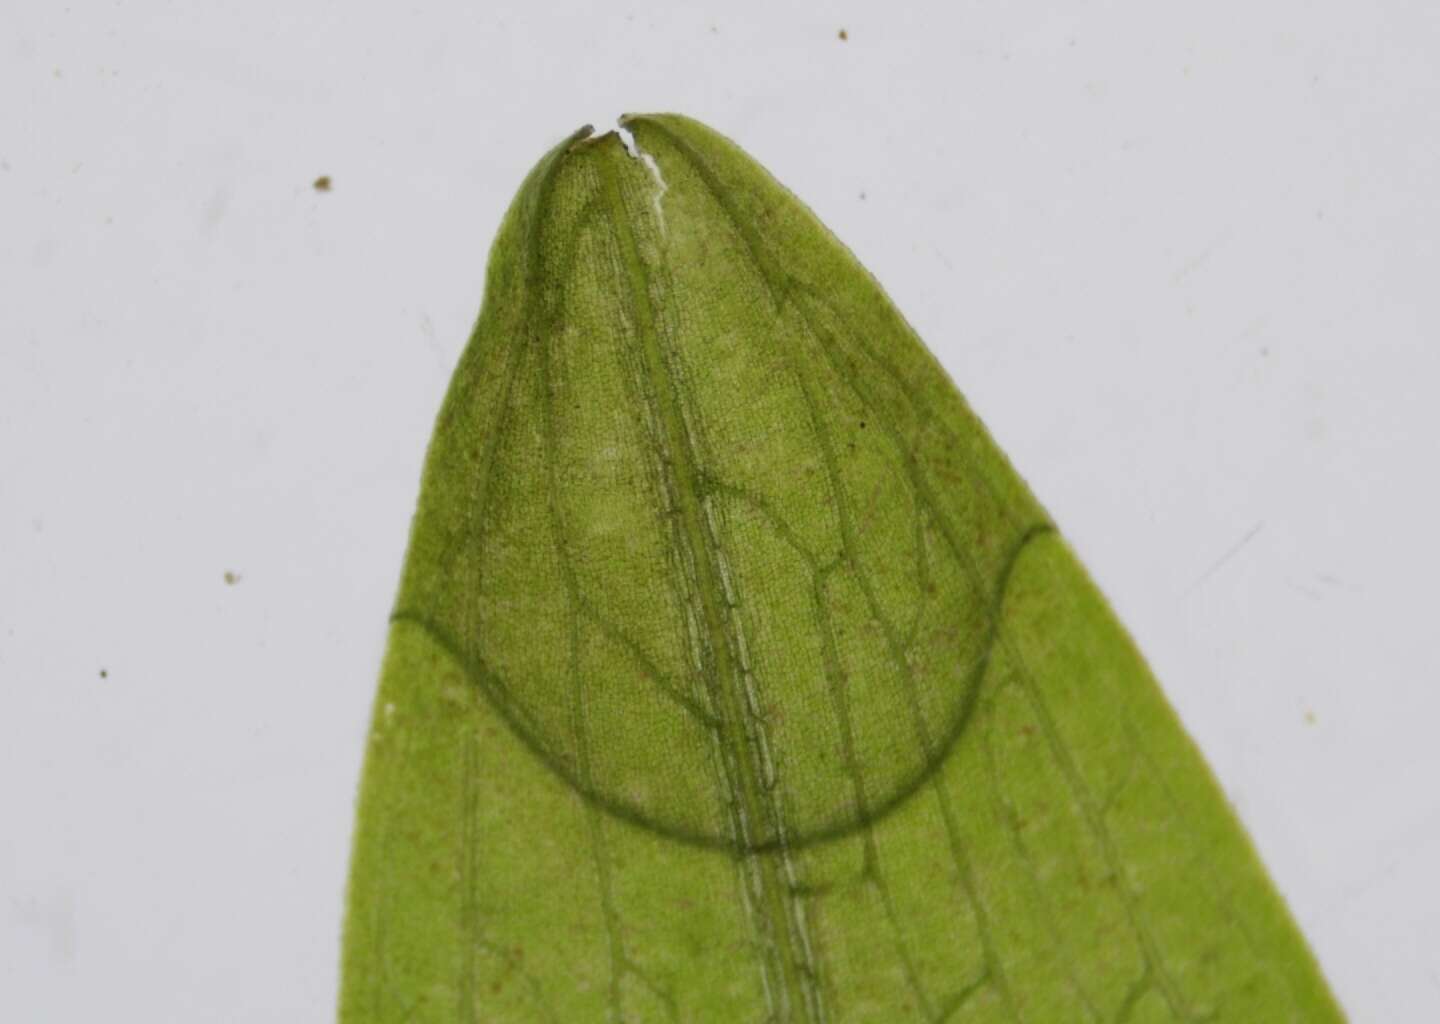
(1181, 262)
(736, 676)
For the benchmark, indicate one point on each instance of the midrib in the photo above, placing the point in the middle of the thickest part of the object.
(723, 683)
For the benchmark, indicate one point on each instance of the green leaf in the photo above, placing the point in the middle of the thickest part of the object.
(736, 676)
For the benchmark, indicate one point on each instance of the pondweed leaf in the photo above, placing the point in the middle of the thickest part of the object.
(736, 676)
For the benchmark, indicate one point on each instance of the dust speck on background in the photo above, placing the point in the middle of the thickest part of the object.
(1309, 718)
(844, 35)
(231, 578)
(322, 183)
(104, 674)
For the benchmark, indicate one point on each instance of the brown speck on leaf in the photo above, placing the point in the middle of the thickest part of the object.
(231, 578)
(844, 35)
(322, 183)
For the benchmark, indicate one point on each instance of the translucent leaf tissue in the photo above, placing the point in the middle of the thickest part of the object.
(735, 675)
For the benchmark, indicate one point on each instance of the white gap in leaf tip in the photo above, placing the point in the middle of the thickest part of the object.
(627, 138)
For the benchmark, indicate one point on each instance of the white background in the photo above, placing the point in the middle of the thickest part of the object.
(1182, 258)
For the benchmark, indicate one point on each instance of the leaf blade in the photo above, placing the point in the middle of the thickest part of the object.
(735, 675)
